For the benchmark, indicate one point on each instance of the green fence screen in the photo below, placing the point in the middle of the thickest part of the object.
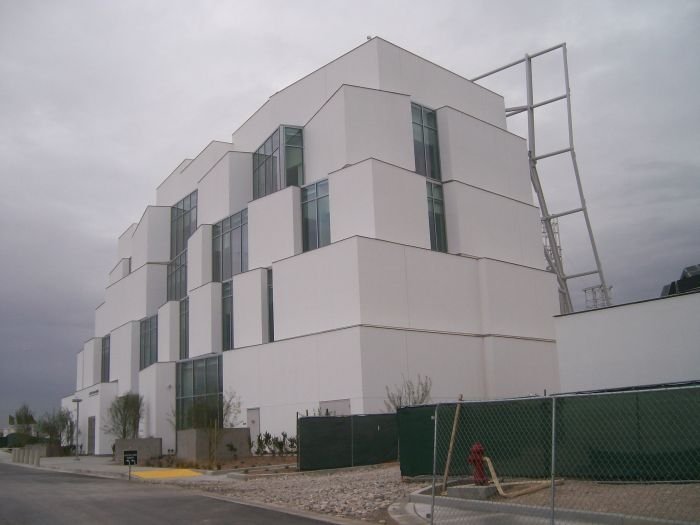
(633, 435)
(345, 441)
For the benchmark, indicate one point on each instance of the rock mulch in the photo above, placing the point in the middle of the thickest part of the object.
(358, 493)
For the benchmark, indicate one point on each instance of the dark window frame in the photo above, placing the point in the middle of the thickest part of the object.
(199, 382)
(273, 161)
(436, 216)
(148, 341)
(227, 325)
(228, 230)
(105, 356)
(315, 201)
(185, 328)
(424, 124)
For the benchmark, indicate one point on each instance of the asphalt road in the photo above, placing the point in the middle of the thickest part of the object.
(32, 496)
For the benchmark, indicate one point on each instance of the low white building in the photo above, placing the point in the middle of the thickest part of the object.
(371, 222)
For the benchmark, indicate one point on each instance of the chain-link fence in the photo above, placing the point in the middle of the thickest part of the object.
(613, 457)
(346, 441)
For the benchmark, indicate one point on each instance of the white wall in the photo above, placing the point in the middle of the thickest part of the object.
(274, 227)
(379, 200)
(226, 188)
(199, 257)
(121, 270)
(483, 155)
(519, 367)
(434, 86)
(151, 240)
(124, 357)
(136, 296)
(482, 224)
(356, 124)
(157, 386)
(317, 290)
(92, 361)
(516, 300)
(631, 344)
(205, 320)
(184, 181)
(250, 308)
(401, 286)
(80, 363)
(96, 401)
(454, 363)
(284, 377)
(169, 331)
(124, 242)
(296, 103)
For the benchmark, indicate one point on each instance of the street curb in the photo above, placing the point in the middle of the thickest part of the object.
(403, 513)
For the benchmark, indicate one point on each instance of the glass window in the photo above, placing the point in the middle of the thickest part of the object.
(270, 308)
(227, 315)
(177, 277)
(279, 162)
(104, 372)
(148, 344)
(199, 392)
(425, 141)
(436, 217)
(315, 213)
(230, 246)
(184, 328)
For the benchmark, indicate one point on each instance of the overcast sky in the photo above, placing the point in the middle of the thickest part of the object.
(99, 101)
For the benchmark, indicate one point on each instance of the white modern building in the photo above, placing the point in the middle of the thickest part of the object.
(371, 222)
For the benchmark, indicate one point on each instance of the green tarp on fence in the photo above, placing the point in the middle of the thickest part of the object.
(346, 441)
(636, 435)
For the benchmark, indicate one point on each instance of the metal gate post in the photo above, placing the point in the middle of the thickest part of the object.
(432, 501)
(554, 454)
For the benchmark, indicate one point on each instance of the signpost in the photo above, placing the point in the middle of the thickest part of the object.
(130, 458)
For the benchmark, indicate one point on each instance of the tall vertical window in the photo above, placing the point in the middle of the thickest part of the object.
(270, 308)
(436, 217)
(279, 162)
(104, 366)
(198, 393)
(315, 213)
(183, 223)
(148, 347)
(425, 141)
(227, 315)
(230, 246)
(177, 277)
(185, 328)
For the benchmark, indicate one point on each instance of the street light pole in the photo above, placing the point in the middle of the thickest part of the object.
(77, 401)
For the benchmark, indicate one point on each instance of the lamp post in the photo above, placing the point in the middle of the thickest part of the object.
(77, 401)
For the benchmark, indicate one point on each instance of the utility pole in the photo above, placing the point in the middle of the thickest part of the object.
(77, 401)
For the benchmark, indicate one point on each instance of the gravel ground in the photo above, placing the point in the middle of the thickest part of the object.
(675, 501)
(359, 493)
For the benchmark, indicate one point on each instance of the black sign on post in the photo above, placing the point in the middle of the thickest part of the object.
(130, 457)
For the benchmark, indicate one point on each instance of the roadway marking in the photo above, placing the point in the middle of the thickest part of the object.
(166, 473)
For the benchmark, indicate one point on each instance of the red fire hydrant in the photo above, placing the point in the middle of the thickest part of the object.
(476, 459)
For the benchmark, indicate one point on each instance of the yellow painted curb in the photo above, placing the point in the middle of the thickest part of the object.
(166, 473)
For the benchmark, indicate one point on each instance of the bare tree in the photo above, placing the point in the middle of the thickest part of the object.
(408, 393)
(124, 416)
(55, 425)
(24, 419)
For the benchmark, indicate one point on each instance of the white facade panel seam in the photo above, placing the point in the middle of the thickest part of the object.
(528, 204)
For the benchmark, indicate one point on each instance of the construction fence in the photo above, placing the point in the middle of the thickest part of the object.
(346, 441)
(579, 458)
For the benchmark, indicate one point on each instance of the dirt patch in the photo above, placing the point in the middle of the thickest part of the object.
(675, 501)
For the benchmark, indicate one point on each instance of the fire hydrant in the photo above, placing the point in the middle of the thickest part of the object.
(476, 459)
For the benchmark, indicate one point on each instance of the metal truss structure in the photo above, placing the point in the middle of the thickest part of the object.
(549, 220)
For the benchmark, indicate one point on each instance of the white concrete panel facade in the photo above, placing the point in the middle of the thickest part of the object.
(157, 386)
(205, 320)
(392, 201)
(250, 308)
(226, 188)
(151, 240)
(373, 304)
(199, 257)
(169, 331)
(631, 344)
(274, 227)
(482, 224)
(483, 155)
